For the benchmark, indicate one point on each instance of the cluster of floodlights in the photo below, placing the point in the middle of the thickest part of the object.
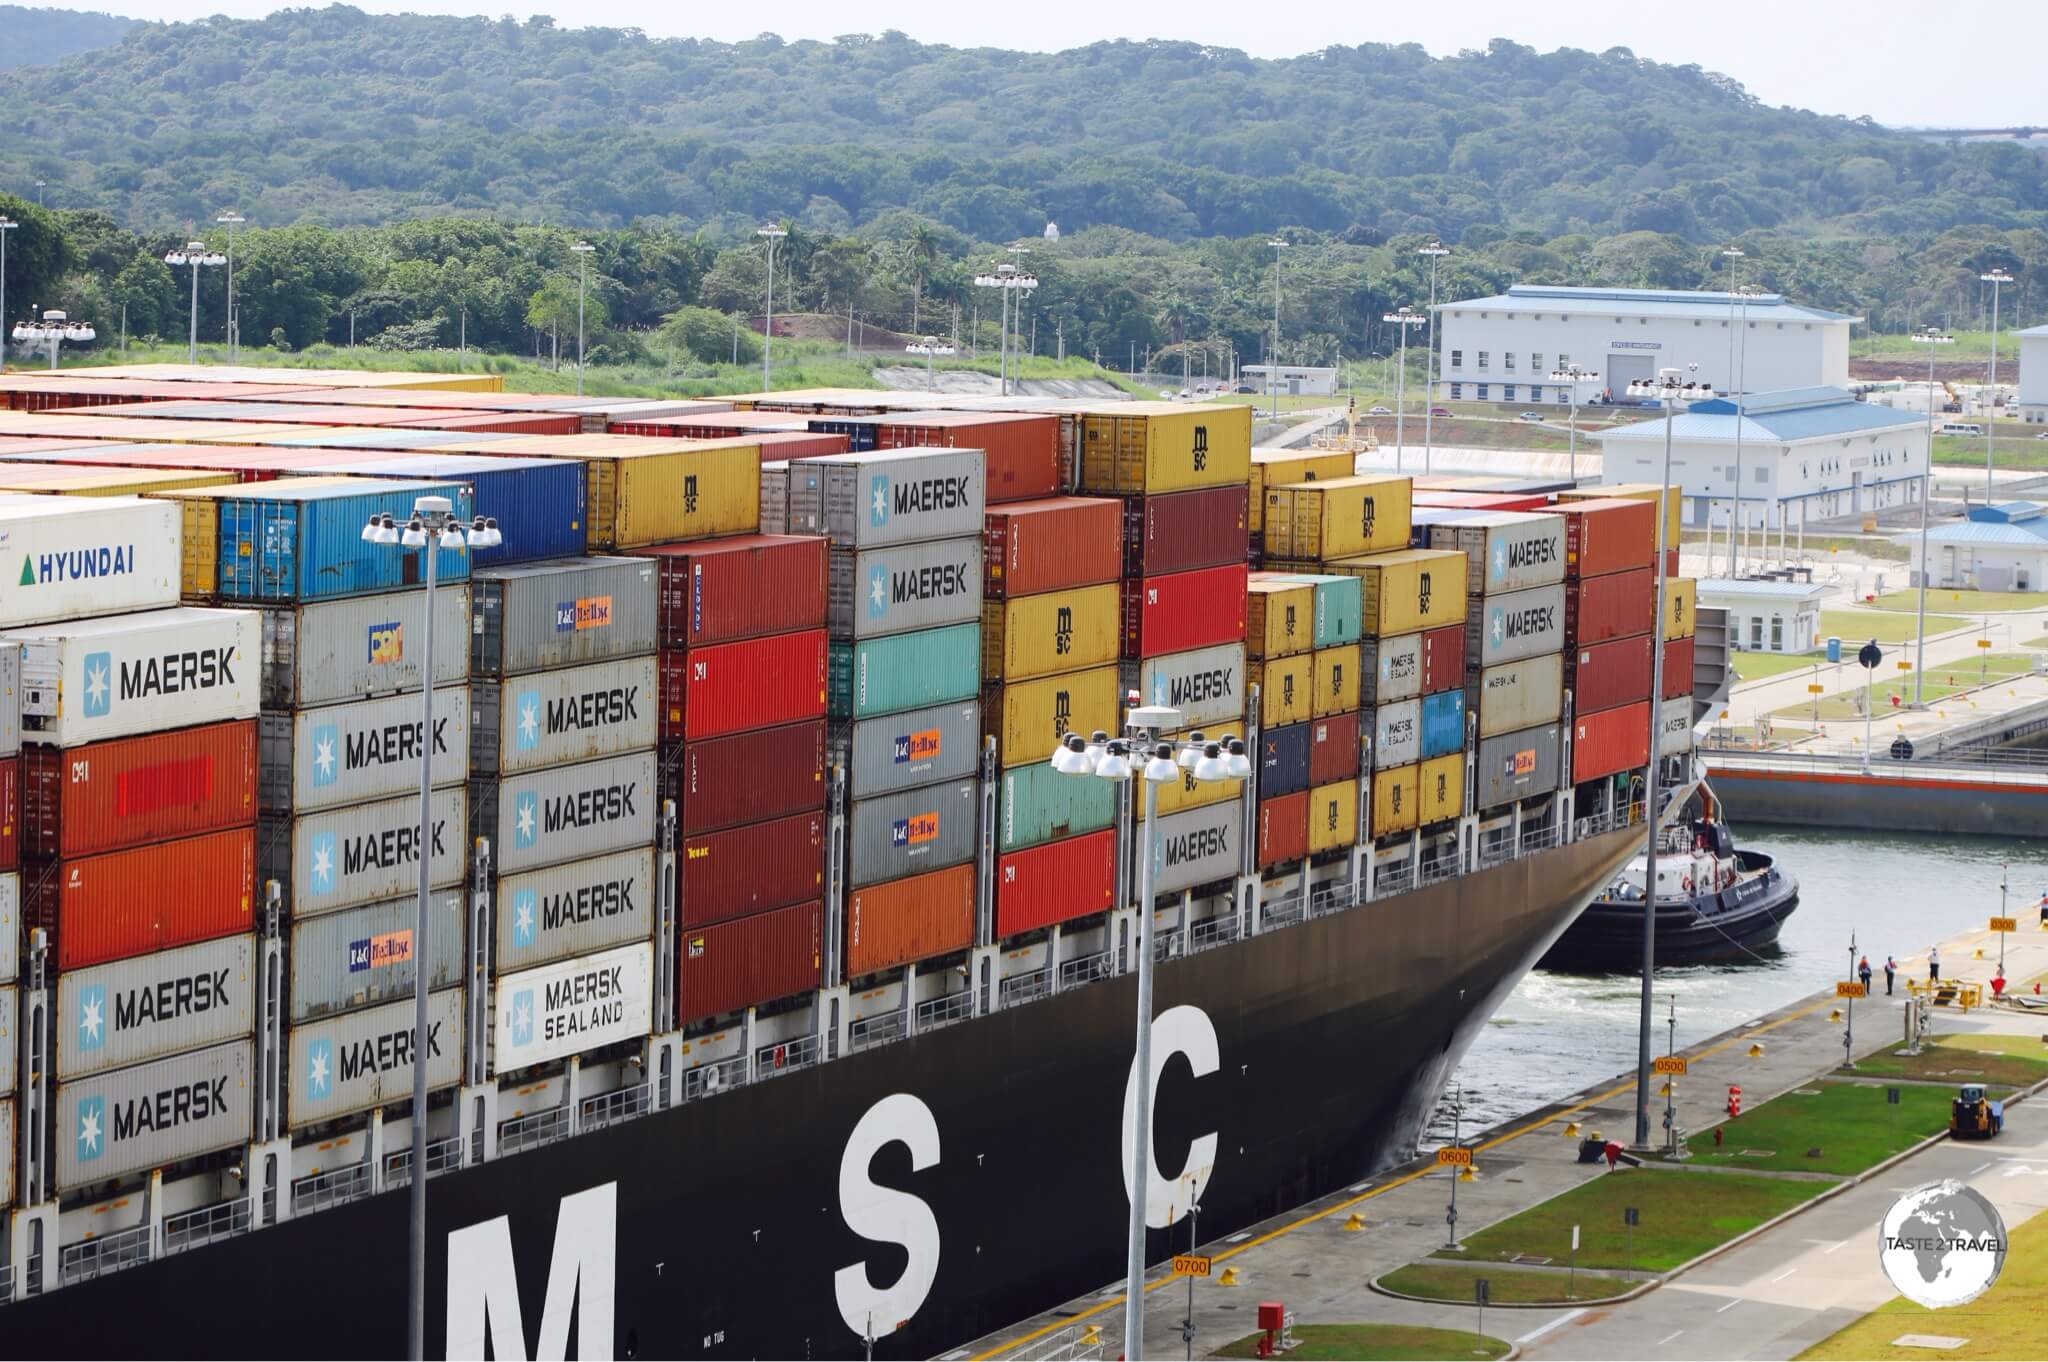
(54, 326)
(482, 533)
(1670, 389)
(1112, 758)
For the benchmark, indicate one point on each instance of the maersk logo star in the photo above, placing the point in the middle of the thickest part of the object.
(92, 1128)
(319, 1068)
(326, 753)
(523, 917)
(526, 820)
(323, 863)
(99, 684)
(878, 501)
(529, 721)
(1500, 560)
(878, 592)
(522, 1018)
(92, 1017)
(1497, 626)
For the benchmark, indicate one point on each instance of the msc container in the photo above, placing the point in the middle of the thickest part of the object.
(342, 961)
(1390, 669)
(1517, 695)
(785, 484)
(727, 589)
(1151, 447)
(1283, 760)
(1022, 452)
(1443, 723)
(134, 1119)
(1332, 816)
(1443, 658)
(1057, 631)
(1283, 829)
(364, 852)
(919, 747)
(723, 782)
(129, 791)
(1440, 785)
(10, 924)
(1029, 719)
(1609, 535)
(1033, 546)
(1188, 793)
(1286, 689)
(903, 587)
(750, 869)
(1504, 550)
(1608, 674)
(1333, 749)
(1614, 606)
(1396, 733)
(1396, 795)
(133, 1011)
(73, 556)
(895, 496)
(1408, 589)
(1181, 531)
(324, 652)
(668, 494)
(911, 832)
(1279, 467)
(345, 754)
(1336, 681)
(560, 614)
(1518, 765)
(360, 1060)
(1610, 742)
(1186, 610)
(752, 960)
(540, 504)
(755, 683)
(1205, 685)
(566, 813)
(1340, 518)
(1681, 603)
(1515, 625)
(138, 673)
(1674, 726)
(908, 920)
(1036, 804)
(1336, 609)
(1198, 846)
(1279, 616)
(282, 542)
(574, 909)
(128, 903)
(1055, 882)
(570, 1006)
(1678, 655)
(573, 714)
(905, 671)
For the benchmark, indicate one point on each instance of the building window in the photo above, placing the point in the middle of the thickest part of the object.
(1457, 359)
(1777, 633)
(1763, 472)
(1482, 361)
(1535, 393)
(1563, 359)
(1507, 392)
(1507, 360)
(1756, 633)
(1695, 321)
(1536, 362)
(1482, 392)
(1457, 391)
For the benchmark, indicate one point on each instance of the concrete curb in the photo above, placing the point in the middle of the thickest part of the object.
(1374, 1285)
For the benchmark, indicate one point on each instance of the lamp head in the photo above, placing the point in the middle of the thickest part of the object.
(1190, 752)
(1116, 761)
(1159, 768)
(415, 535)
(1212, 765)
(1070, 758)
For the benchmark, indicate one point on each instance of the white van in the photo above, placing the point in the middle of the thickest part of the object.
(1961, 428)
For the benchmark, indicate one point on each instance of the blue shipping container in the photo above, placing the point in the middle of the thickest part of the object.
(538, 503)
(1443, 723)
(858, 430)
(284, 543)
(1283, 760)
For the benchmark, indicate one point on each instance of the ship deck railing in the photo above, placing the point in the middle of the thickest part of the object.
(934, 1013)
(868, 1032)
(330, 1187)
(443, 1156)
(1086, 969)
(92, 1258)
(610, 1108)
(206, 1225)
(1211, 932)
(708, 1079)
(6, 1283)
(784, 1057)
(533, 1129)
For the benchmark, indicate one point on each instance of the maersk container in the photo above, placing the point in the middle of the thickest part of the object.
(1603, 675)
(1396, 734)
(1055, 883)
(895, 496)
(360, 853)
(1198, 846)
(554, 718)
(755, 683)
(1184, 611)
(1333, 749)
(784, 483)
(566, 813)
(1036, 804)
(127, 903)
(1518, 765)
(1029, 547)
(367, 955)
(1517, 695)
(151, 1115)
(87, 680)
(282, 542)
(574, 909)
(133, 1011)
(1674, 726)
(766, 773)
(1504, 550)
(1207, 685)
(1182, 531)
(560, 614)
(1612, 606)
(719, 590)
(750, 869)
(1055, 631)
(748, 961)
(920, 747)
(1515, 625)
(1443, 723)
(1610, 742)
(570, 1006)
(905, 671)
(1390, 669)
(909, 919)
(912, 831)
(1337, 607)
(68, 557)
(130, 791)
(10, 1043)
(10, 925)
(539, 504)
(903, 587)
(359, 1060)
(325, 652)
(1283, 760)
(346, 754)
(1031, 718)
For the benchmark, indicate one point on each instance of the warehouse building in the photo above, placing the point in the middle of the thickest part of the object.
(1996, 548)
(2033, 398)
(1766, 616)
(1295, 380)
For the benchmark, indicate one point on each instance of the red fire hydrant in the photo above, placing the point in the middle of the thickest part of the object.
(1734, 1100)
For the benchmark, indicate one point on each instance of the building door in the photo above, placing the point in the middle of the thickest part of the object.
(1626, 368)
(1855, 493)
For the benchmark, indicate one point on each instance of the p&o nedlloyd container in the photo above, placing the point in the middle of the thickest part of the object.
(337, 858)
(165, 1003)
(153, 1114)
(573, 1005)
(920, 747)
(911, 832)
(1516, 765)
(358, 1060)
(569, 715)
(359, 956)
(560, 614)
(68, 557)
(567, 813)
(88, 680)
(905, 586)
(895, 496)
(574, 909)
(346, 754)
(326, 652)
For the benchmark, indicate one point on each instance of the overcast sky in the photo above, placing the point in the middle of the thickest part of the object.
(1960, 63)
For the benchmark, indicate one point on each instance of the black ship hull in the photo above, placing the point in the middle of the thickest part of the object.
(1731, 926)
(928, 1191)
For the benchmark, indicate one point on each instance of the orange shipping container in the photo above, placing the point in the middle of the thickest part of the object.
(128, 903)
(905, 920)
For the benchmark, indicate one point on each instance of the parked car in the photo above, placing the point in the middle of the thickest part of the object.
(1381, 411)
(1535, 416)
(1439, 411)
(1244, 388)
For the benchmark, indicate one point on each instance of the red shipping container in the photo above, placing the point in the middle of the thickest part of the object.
(502, 423)
(1612, 741)
(1609, 535)
(1181, 531)
(127, 903)
(1482, 501)
(1050, 545)
(719, 425)
(1283, 829)
(746, 777)
(1183, 611)
(1677, 667)
(128, 792)
(1055, 882)
(1023, 451)
(1614, 606)
(1671, 561)
(10, 814)
(732, 687)
(750, 869)
(1333, 750)
(749, 960)
(1443, 659)
(718, 590)
(790, 444)
(1604, 675)
(906, 920)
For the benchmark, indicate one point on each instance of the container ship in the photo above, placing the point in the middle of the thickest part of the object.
(781, 990)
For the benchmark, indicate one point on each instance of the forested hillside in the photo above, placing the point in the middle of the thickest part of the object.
(31, 37)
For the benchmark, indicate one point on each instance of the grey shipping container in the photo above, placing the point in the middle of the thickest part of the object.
(912, 831)
(1396, 734)
(1504, 550)
(1198, 846)
(561, 613)
(338, 858)
(10, 927)
(574, 909)
(10, 1043)
(1206, 684)
(893, 496)
(903, 587)
(149, 1006)
(784, 484)
(558, 717)
(567, 813)
(1390, 669)
(10, 699)
(362, 956)
(901, 751)
(326, 652)
(87, 680)
(346, 754)
(1516, 766)
(1517, 694)
(342, 1065)
(153, 1114)
(7, 1145)
(1514, 625)
(1674, 727)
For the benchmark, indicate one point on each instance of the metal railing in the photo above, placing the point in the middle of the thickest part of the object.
(1436, 869)
(443, 1156)
(109, 1253)
(934, 1013)
(2007, 767)
(1167, 944)
(6, 1283)
(610, 1108)
(1397, 878)
(868, 1032)
(1210, 932)
(1086, 969)
(207, 1225)
(330, 1187)
(534, 1129)
(1075, 1343)
(708, 1079)
(1017, 989)
(785, 1056)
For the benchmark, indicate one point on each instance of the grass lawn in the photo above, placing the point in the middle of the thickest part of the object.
(1965, 602)
(1684, 1214)
(1857, 627)
(1396, 1342)
(1850, 1123)
(1756, 666)
(1453, 1282)
(2017, 1061)
(1942, 682)
(2005, 1322)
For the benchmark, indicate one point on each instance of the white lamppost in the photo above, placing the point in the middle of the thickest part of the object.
(1734, 255)
(1737, 530)
(1571, 376)
(1157, 763)
(771, 235)
(1933, 338)
(1008, 279)
(52, 330)
(1435, 250)
(1016, 333)
(1273, 357)
(195, 254)
(231, 220)
(432, 528)
(7, 224)
(1996, 277)
(583, 250)
(1405, 319)
(930, 348)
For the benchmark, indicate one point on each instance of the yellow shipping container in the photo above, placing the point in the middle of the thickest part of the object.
(1280, 618)
(1286, 688)
(1394, 796)
(111, 482)
(1277, 467)
(1031, 718)
(1189, 793)
(1336, 680)
(1340, 518)
(1408, 589)
(1145, 447)
(1674, 502)
(1057, 631)
(1681, 603)
(1442, 792)
(1332, 816)
(671, 492)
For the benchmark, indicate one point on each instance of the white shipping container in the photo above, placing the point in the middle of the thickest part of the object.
(71, 557)
(10, 1046)
(10, 700)
(1514, 625)
(785, 484)
(574, 909)
(337, 858)
(567, 813)
(1504, 550)
(892, 496)
(326, 652)
(7, 1144)
(558, 717)
(149, 1006)
(1197, 846)
(1396, 734)
(88, 680)
(10, 927)
(346, 754)
(363, 956)
(153, 1114)
(572, 1006)
(360, 1060)
(1390, 669)
(1516, 695)
(928, 585)
(1674, 727)
(1205, 685)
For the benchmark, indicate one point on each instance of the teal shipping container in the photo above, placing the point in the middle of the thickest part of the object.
(1443, 723)
(1340, 607)
(1037, 804)
(281, 542)
(905, 671)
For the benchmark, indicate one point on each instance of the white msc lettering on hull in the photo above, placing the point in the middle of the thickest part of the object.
(483, 1287)
(1177, 1031)
(888, 1216)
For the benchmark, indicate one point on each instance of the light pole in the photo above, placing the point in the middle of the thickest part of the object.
(1571, 375)
(583, 250)
(195, 254)
(7, 224)
(52, 330)
(1733, 255)
(1017, 254)
(1933, 338)
(929, 348)
(1156, 763)
(231, 220)
(1435, 250)
(1996, 277)
(771, 235)
(1404, 319)
(431, 528)
(1007, 279)
(1273, 357)
(1743, 294)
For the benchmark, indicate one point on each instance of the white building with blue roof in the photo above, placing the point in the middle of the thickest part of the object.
(1504, 348)
(1995, 548)
(2033, 398)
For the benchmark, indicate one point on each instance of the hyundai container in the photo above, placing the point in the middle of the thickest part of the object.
(1029, 719)
(1614, 606)
(360, 853)
(563, 613)
(1610, 742)
(1443, 723)
(1022, 452)
(540, 504)
(127, 903)
(720, 590)
(280, 541)
(1283, 757)
(1199, 846)
(907, 920)
(669, 493)
(1678, 664)
(361, 956)
(903, 587)
(905, 671)
(1603, 675)
(1029, 547)
(1055, 883)
(1333, 749)
(918, 747)
(1279, 467)
(1057, 631)
(151, 1006)
(1184, 611)
(749, 869)
(1340, 518)
(1206, 684)
(755, 683)
(1181, 531)
(557, 1010)
(1504, 550)
(1390, 669)
(88, 680)
(1517, 765)
(1129, 448)
(1336, 681)
(572, 714)
(1440, 787)
(1609, 535)
(152, 1115)
(357, 1061)
(574, 909)
(1036, 804)
(1515, 625)
(895, 496)
(69, 557)
(911, 832)
(325, 652)
(1396, 797)
(762, 773)
(566, 813)
(1283, 829)
(1286, 689)
(1517, 695)
(1333, 816)
(1280, 616)
(346, 754)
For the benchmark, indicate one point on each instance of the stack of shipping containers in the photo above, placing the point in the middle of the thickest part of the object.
(1610, 616)
(1277, 468)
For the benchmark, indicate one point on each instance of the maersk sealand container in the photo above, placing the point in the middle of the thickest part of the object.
(283, 543)
(539, 504)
